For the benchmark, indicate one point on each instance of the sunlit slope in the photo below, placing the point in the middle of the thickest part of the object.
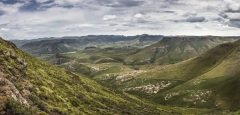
(175, 49)
(209, 81)
(218, 87)
(177, 73)
(32, 86)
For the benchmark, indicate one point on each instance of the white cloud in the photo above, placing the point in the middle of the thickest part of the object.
(63, 2)
(232, 4)
(4, 29)
(10, 8)
(85, 25)
(128, 17)
(42, 1)
(138, 15)
(109, 17)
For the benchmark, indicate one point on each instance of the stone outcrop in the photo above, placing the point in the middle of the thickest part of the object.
(8, 90)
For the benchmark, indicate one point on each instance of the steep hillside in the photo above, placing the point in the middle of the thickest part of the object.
(31, 86)
(175, 49)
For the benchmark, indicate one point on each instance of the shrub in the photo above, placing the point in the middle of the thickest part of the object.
(13, 107)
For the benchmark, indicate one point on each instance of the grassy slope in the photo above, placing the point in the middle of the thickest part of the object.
(175, 49)
(212, 76)
(222, 80)
(52, 90)
(181, 72)
(98, 54)
(210, 80)
(191, 68)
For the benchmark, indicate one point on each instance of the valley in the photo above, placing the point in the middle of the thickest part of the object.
(30, 86)
(185, 71)
(119, 57)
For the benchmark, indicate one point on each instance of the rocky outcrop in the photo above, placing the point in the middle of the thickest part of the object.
(8, 90)
(152, 88)
(191, 96)
(12, 71)
(128, 75)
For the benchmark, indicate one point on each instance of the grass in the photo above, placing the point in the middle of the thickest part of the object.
(53, 90)
(57, 91)
(221, 79)
(215, 71)
(173, 50)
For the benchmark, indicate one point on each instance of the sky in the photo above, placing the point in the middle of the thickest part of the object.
(29, 19)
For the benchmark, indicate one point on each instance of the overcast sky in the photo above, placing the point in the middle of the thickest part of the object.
(28, 19)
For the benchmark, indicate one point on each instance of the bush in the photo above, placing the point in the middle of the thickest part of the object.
(13, 107)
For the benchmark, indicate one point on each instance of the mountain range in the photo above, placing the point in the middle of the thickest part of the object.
(135, 75)
(71, 44)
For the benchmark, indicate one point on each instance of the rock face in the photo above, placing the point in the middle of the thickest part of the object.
(12, 72)
(8, 90)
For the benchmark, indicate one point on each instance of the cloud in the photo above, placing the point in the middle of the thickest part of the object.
(223, 15)
(44, 1)
(26, 19)
(13, 1)
(138, 15)
(234, 23)
(2, 12)
(232, 6)
(4, 29)
(230, 16)
(121, 3)
(109, 17)
(233, 10)
(85, 25)
(196, 19)
(192, 18)
(129, 3)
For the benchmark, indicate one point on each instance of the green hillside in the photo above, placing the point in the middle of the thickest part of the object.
(210, 80)
(218, 87)
(32, 86)
(175, 49)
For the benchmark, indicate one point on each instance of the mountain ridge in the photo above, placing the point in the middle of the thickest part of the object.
(175, 49)
(69, 44)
